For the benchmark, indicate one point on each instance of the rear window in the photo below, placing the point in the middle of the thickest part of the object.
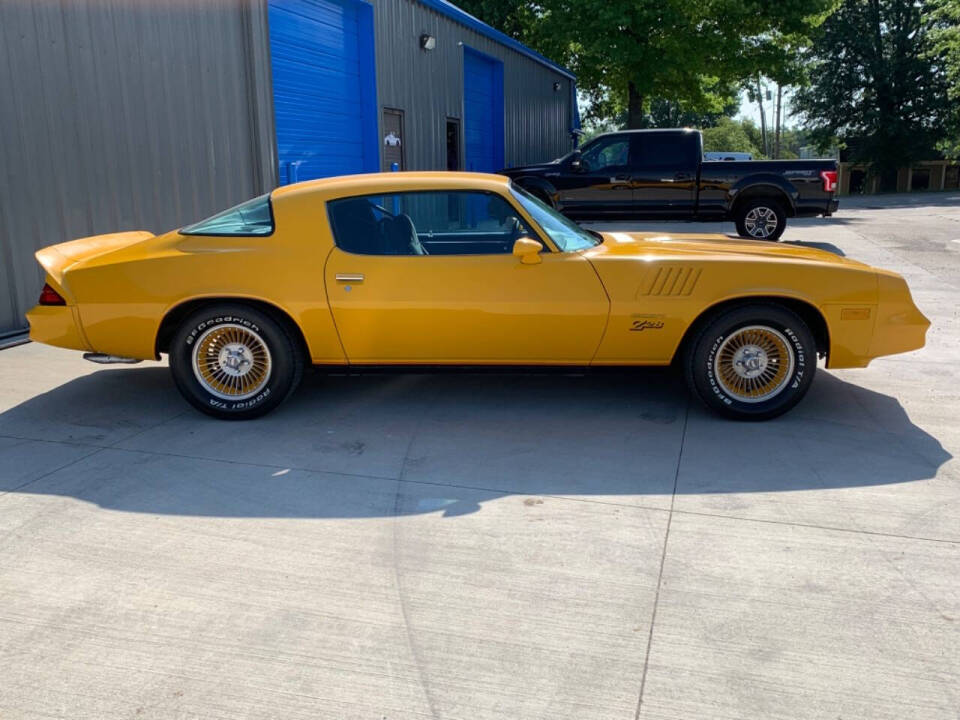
(253, 217)
(665, 150)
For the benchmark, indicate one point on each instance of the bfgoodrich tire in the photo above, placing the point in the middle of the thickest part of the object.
(234, 362)
(760, 219)
(752, 362)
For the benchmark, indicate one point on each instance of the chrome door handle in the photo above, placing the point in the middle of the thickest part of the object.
(667, 180)
(349, 277)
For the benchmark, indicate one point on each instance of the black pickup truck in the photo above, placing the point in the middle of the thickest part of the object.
(662, 174)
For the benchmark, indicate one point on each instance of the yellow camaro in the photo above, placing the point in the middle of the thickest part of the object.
(462, 269)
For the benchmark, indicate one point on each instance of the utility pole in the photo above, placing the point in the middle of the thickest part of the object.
(776, 133)
(763, 117)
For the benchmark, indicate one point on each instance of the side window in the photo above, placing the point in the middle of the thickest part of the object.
(608, 153)
(426, 223)
(253, 217)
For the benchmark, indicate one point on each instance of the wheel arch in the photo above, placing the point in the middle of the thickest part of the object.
(179, 312)
(763, 189)
(807, 311)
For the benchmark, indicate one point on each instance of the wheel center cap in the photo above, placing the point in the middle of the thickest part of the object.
(236, 359)
(750, 361)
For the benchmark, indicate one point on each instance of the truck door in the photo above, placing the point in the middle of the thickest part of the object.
(602, 181)
(664, 173)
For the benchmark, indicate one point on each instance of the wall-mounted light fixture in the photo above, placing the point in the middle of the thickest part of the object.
(556, 86)
(427, 42)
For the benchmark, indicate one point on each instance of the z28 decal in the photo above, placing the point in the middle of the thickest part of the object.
(640, 325)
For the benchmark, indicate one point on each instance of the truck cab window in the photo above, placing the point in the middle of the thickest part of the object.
(606, 153)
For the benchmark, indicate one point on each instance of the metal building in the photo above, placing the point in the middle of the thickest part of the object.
(123, 115)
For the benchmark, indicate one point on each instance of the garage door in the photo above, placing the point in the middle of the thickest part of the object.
(483, 111)
(324, 88)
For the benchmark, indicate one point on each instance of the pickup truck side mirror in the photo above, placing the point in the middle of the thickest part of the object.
(576, 164)
(527, 249)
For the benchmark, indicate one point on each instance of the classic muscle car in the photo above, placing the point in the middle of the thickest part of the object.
(429, 269)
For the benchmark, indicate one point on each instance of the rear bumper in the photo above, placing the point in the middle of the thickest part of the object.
(57, 325)
(832, 207)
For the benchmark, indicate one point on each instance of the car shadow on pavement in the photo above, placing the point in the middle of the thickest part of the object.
(379, 445)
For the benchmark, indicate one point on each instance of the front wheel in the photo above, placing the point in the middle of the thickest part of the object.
(760, 219)
(234, 362)
(752, 362)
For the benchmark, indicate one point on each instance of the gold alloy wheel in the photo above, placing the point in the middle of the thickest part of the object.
(231, 362)
(754, 364)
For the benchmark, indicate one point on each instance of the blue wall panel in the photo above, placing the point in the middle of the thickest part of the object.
(324, 88)
(483, 111)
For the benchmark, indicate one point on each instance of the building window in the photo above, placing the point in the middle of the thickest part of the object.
(426, 223)
(393, 139)
(453, 144)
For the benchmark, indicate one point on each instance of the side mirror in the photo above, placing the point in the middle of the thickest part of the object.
(575, 163)
(527, 249)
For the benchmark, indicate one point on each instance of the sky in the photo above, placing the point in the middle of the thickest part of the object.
(751, 111)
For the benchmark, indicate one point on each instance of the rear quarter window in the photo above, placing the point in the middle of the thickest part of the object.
(253, 217)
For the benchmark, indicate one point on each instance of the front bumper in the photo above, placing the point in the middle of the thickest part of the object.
(860, 333)
(900, 327)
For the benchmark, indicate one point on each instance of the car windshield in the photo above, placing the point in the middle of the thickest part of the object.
(566, 234)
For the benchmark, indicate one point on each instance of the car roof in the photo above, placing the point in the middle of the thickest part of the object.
(371, 183)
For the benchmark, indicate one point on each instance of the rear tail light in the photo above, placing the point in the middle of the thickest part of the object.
(49, 296)
(829, 180)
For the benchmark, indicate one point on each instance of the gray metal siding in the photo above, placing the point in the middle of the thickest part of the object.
(428, 87)
(119, 115)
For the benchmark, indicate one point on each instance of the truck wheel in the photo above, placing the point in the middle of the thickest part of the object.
(753, 362)
(234, 362)
(760, 219)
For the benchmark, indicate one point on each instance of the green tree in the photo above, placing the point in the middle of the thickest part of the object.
(877, 84)
(945, 34)
(688, 53)
(513, 17)
(729, 135)
(668, 114)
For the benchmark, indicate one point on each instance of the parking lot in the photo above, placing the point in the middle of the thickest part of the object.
(495, 546)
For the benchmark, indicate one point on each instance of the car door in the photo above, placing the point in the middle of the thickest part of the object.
(467, 299)
(664, 173)
(601, 181)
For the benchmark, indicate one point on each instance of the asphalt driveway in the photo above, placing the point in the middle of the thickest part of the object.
(489, 546)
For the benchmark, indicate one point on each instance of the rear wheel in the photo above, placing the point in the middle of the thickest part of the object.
(760, 219)
(752, 362)
(234, 362)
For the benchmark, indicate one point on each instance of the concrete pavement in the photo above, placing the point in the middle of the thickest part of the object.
(494, 546)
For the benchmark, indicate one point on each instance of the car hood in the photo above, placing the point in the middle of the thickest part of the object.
(649, 244)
